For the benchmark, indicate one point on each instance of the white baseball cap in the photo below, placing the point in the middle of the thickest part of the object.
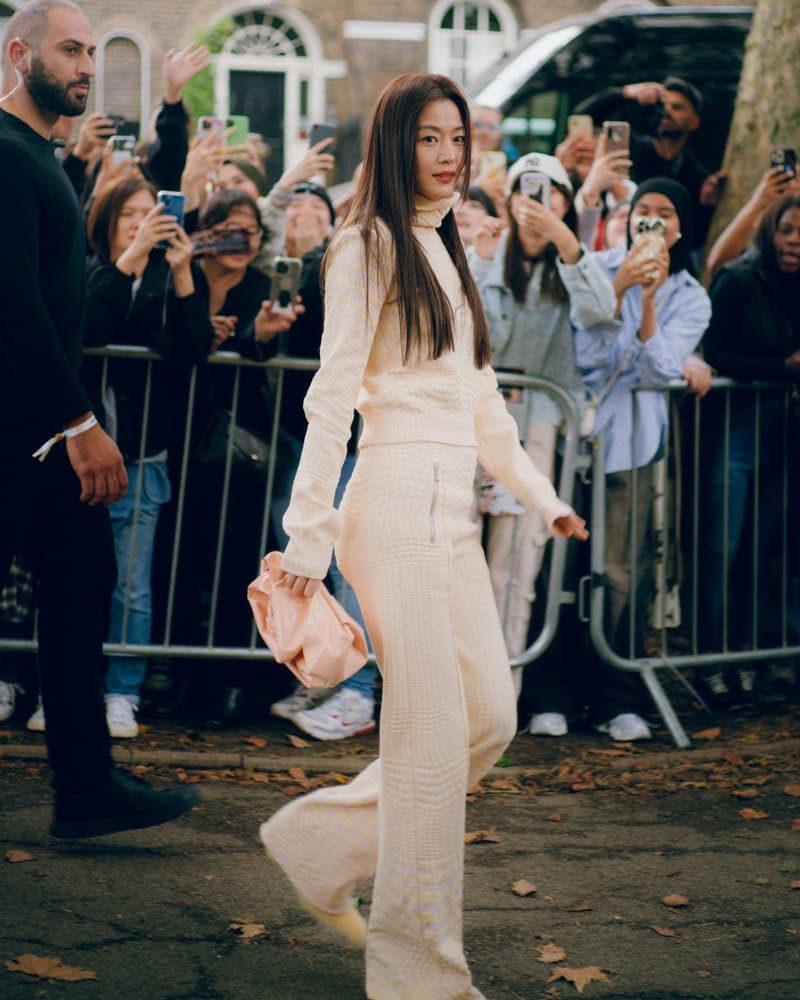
(540, 163)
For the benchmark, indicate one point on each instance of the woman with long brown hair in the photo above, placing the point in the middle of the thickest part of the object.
(405, 342)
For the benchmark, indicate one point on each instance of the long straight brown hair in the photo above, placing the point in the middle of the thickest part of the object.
(386, 191)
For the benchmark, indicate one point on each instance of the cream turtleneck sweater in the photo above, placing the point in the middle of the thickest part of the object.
(446, 400)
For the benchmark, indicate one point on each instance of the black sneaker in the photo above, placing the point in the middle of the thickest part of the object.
(123, 803)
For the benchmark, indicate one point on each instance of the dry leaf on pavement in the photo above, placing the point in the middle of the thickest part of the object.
(796, 825)
(255, 741)
(248, 931)
(675, 900)
(580, 978)
(708, 734)
(551, 952)
(792, 790)
(522, 887)
(297, 742)
(48, 968)
(554, 817)
(482, 837)
(15, 857)
(795, 884)
(745, 793)
(748, 813)
(663, 931)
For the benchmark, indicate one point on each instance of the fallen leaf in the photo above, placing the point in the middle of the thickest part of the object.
(675, 900)
(482, 837)
(708, 734)
(748, 813)
(15, 857)
(795, 884)
(551, 953)
(704, 974)
(733, 758)
(579, 977)
(522, 887)
(503, 785)
(48, 968)
(796, 825)
(663, 931)
(554, 817)
(745, 793)
(792, 790)
(297, 773)
(248, 931)
(582, 908)
(582, 786)
(609, 753)
(297, 742)
(255, 741)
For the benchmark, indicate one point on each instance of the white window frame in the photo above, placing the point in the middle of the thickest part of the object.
(509, 32)
(143, 48)
(313, 68)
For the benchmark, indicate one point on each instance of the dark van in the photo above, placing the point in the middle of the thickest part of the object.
(553, 69)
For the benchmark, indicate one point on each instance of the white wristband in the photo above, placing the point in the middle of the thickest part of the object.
(70, 432)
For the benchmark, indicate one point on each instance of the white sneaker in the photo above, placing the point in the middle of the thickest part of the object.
(626, 727)
(548, 724)
(36, 723)
(121, 718)
(8, 700)
(346, 713)
(302, 699)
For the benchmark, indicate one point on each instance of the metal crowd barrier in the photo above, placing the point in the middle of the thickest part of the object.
(680, 643)
(671, 656)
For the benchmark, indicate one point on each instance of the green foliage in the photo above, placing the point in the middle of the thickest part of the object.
(198, 94)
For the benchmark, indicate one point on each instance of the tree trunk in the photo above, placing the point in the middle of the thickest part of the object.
(767, 110)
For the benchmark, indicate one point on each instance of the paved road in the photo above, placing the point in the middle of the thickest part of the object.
(149, 911)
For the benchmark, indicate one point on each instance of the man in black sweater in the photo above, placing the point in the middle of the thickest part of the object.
(53, 511)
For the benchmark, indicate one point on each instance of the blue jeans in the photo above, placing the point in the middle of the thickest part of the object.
(728, 559)
(364, 680)
(134, 535)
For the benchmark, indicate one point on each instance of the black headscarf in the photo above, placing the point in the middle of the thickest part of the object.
(680, 254)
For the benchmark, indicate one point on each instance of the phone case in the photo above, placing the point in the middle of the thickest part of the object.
(535, 185)
(618, 136)
(285, 274)
(320, 132)
(580, 125)
(173, 202)
(214, 126)
(241, 129)
(492, 161)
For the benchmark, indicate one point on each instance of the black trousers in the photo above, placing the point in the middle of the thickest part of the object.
(70, 549)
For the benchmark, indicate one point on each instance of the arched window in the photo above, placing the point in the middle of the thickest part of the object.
(123, 76)
(261, 33)
(467, 36)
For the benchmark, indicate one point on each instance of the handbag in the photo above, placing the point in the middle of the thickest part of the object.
(250, 452)
(312, 635)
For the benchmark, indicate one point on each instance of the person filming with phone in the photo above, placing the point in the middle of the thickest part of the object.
(665, 115)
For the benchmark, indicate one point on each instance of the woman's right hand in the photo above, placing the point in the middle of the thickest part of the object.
(634, 270)
(224, 327)
(203, 160)
(487, 237)
(155, 227)
(774, 184)
(315, 161)
(304, 586)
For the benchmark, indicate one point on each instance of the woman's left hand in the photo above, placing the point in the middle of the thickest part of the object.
(181, 248)
(570, 526)
(269, 322)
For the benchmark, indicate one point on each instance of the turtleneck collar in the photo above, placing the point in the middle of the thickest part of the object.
(429, 214)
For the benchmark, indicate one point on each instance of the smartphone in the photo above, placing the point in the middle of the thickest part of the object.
(492, 162)
(536, 186)
(784, 158)
(124, 126)
(241, 129)
(580, 125)
(122, 148)
(207, 125)
(284, 274)
(320, 132)
(174, 204)
(618, 136)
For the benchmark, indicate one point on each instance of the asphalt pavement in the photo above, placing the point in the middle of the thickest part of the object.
(651, 873)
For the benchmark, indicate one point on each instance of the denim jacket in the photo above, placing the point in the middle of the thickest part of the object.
(683, 311)
(536, 337)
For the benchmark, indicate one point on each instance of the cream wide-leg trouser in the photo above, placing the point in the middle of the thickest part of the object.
(412, 553)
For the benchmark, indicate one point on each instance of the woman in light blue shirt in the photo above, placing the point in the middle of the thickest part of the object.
(661, 315)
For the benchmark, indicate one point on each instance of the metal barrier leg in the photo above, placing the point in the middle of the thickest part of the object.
(667, 712)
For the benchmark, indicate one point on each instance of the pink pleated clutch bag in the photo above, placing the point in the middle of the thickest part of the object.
(314, 636)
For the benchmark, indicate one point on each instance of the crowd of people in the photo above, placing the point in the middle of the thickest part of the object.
(569, 294)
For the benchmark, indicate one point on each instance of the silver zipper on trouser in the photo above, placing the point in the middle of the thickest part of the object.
(437, 476)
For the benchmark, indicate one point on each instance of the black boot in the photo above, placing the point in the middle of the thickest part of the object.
(123, 803)
(230, 708)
